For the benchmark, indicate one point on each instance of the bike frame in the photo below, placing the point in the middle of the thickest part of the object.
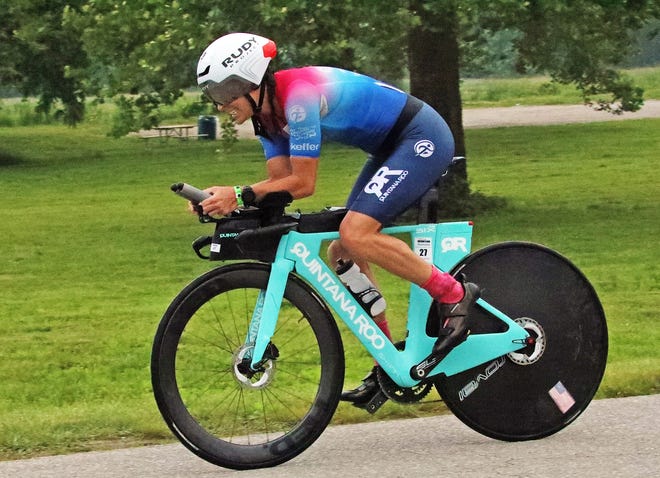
(443, 244)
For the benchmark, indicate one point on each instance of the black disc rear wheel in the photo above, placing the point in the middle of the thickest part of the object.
(542, 388)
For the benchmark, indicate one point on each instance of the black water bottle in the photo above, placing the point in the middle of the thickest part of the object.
(361, 287)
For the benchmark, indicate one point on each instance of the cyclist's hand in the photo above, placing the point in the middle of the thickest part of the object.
(194, 208)
(222, 201)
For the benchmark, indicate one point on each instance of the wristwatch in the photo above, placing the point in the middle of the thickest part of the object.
(249, 198)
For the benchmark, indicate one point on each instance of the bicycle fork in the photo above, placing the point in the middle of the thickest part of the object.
(264, 316)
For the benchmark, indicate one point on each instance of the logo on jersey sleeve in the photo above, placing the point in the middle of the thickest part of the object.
(304, 130)
(382, 179)
(297, 114)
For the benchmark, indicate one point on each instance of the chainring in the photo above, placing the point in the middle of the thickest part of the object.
(400, 394)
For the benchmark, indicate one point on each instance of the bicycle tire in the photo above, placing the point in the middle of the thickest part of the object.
(210, 406)
(530, 395)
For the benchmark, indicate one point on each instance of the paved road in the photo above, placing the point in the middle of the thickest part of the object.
(515, 116)
(612, 438)
(542, 115)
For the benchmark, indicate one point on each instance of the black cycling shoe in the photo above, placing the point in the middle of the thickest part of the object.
(455, 329)
(454, 319)
(365, 392)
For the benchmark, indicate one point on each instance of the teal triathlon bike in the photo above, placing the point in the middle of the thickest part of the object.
(248, 363)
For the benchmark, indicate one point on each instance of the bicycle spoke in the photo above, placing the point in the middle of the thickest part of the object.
(229, 414)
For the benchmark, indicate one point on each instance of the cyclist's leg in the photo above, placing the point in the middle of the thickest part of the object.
(361, 237)
(388, 186)
(336, 251)
(420, 158)
(369, 386)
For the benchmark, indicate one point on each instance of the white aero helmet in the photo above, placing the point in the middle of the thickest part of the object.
(233, 65)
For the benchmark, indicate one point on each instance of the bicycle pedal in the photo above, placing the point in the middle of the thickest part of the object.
(374, 404)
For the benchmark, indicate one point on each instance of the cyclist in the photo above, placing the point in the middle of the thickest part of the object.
(409, 146)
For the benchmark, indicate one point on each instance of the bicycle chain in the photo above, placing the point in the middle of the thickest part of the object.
(400, 394)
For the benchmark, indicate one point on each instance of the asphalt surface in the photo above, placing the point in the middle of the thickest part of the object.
(612, 438)
(544, 115)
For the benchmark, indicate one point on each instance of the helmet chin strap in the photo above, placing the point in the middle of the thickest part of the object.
(256, 109)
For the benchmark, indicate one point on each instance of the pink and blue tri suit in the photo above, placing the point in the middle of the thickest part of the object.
(409, 144)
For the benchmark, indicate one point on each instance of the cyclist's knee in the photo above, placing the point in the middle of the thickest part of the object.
(351, 243)
(356, 233)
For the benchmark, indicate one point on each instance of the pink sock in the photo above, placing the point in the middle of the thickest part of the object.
(443, 287)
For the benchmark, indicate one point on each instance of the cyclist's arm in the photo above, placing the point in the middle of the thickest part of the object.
(295, 174)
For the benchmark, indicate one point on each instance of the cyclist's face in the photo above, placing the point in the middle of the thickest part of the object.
(239, 109)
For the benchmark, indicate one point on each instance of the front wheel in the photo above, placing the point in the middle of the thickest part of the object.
(543, 387)
(230, 416)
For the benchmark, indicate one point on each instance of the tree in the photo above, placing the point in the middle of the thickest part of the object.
(646, 49)
(141, 53)
(575, 41)
(434, 77)
(149, 49)
(41, 58)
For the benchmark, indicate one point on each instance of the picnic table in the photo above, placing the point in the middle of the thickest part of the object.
(180, 131)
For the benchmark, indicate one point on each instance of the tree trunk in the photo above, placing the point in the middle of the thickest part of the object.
(434, 77)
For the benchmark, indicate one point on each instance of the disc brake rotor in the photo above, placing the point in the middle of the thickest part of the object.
(252, 379)
(535, 343)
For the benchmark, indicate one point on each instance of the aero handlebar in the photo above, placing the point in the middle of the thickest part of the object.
(189, 192)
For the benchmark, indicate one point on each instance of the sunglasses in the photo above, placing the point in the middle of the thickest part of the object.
(226, 91)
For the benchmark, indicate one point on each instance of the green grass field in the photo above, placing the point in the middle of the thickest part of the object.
(94, 247)
(540, 90)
